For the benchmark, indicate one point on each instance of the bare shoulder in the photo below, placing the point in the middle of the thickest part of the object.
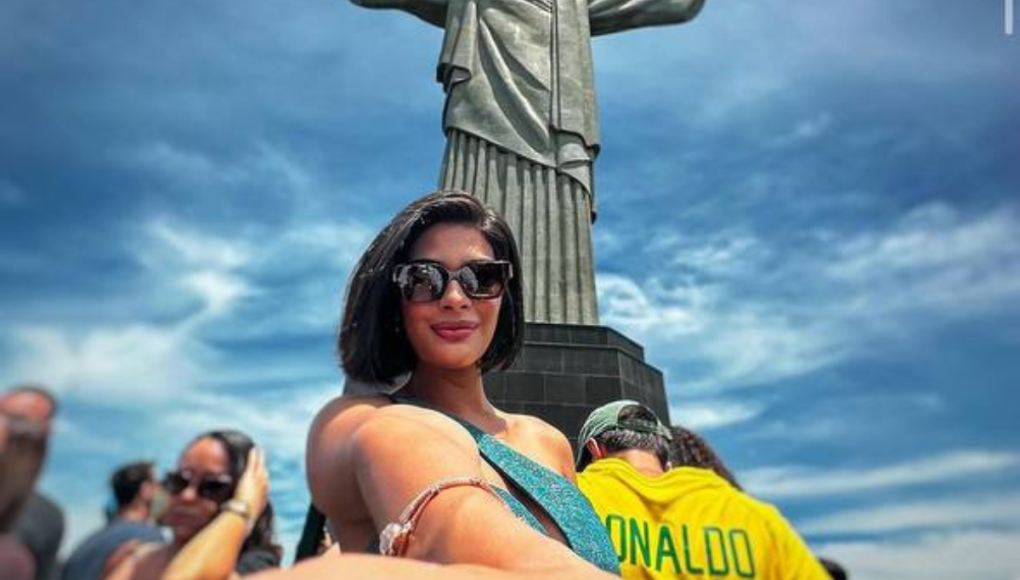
(547, 443)
(537, 427)
(347, 419)
(334, 424)
(331, 483)
(407, 433)
(343, 414)
(351, 435)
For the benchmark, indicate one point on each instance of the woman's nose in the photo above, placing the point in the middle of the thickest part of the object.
(189, 493)
(454, 296)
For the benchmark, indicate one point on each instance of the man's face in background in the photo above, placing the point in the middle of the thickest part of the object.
(29, 406)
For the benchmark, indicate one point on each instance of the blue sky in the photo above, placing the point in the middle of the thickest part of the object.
(808, 215)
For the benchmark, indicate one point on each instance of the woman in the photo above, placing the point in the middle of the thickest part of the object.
(218, 512)
(434, 472)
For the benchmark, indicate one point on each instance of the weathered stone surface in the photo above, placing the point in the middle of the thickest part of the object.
(568, 370)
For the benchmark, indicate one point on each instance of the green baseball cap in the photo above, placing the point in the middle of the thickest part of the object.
(607, 417)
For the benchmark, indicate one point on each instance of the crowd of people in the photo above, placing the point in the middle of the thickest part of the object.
(420, 476)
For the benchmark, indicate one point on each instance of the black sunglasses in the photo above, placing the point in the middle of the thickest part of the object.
(218, 488)
(427, 281)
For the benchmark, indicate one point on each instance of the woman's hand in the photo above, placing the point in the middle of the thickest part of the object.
(253, 487)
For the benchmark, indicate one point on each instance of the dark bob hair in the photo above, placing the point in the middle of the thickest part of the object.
(372, 344)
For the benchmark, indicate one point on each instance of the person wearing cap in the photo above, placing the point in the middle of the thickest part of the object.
(683, 522)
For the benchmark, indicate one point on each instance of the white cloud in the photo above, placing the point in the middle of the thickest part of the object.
(624, 301)
(277, 419)
(113, 363)
(195, 249)
(935, 258)
(707, 415)
(264, 168)
(324, 244)
(726, 253)
(208, 267)
(218, 290)
(206, 290)
(938, 556)
(956, 513)
(806, 130)
(746, 317)
(739, 343)
(798, 482)
(114, 366)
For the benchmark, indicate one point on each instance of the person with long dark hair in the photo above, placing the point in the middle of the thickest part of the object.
(427, 470)
(218, 512)
(688, 449)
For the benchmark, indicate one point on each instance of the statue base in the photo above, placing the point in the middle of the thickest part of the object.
(565, 371)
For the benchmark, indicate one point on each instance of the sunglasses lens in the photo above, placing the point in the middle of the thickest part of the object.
(217, 490)
(423, 282)
(483, 280)
(175, 482)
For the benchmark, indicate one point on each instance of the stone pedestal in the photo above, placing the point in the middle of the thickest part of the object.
(566, 371)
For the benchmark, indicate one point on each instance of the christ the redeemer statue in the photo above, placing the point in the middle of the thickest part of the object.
(522, 128)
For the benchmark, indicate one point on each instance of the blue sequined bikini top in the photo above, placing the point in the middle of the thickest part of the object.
(554, 494)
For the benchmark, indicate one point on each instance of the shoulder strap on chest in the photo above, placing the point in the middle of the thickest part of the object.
(559, 498)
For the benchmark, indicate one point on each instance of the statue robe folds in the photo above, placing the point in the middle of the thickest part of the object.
(522, 126)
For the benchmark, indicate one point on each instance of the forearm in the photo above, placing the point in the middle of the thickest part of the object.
(618, 15)
(431, 11)
(212, 553)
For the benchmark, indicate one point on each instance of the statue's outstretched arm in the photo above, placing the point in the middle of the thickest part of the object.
(617, 15)
(431, 11)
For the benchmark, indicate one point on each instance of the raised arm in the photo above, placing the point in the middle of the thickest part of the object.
(431, 11)
(608, 16)
(397, 453)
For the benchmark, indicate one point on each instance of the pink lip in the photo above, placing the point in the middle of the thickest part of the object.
(454, 331)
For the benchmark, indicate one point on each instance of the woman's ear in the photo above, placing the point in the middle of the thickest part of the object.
(594, 450)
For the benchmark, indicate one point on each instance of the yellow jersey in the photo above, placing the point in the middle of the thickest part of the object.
(691, 523)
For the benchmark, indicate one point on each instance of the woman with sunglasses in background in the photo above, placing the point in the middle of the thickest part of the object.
(218, 512)
(428, 469)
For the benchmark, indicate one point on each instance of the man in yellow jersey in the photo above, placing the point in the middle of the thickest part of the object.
(685, 522)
